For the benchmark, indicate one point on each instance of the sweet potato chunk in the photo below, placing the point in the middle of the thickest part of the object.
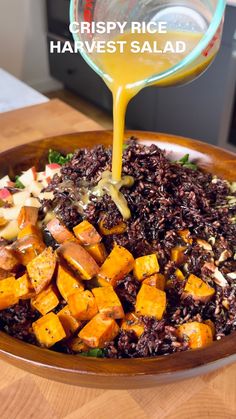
(48, 330)
(8, 292)
(98, 252)
(177, 255)
(178, 275)
(156, 280)
(133, 322)
(198, 335)
(27, 215)
(79, 260)
(118, 229)
(5, 274)
(212, 326)
(46, 300)
(77, 345)
(69, 323)
(29, 230)
(185, 236)
(198, 289)
(87, 234)
(150, 302)
(24, 286)
(117, 265)
(67, 283)
(8, 260)
(145, 266)
(82, 305)
(27, 248)
(99, 331)
(41, 269)
(108, 302)
(59, 232)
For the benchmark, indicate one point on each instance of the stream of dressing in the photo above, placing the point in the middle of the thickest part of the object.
(121, 72)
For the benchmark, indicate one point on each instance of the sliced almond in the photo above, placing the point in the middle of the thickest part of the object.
(217, 276)
(204, 244)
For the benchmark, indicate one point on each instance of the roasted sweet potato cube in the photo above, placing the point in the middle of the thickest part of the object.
(67, 283)
(99, 331)
(77, 345)
(8, 259)
(5, 274)
(69, 323)
(41, 269)
(118, 229)
(177, 255)
(48, 330)
(197, 334)
(156, 280)
(86, 233)
(82, 305)
(27, 248)
(8, 292)
(108, 302)
(24, 286)
(198, 289)
(145, 266)
(29, 230)
(178, 274)
(117, 265)
(27, 215)
(46, 300)
(150, 302)
(98, 252)
(59, 232)
(79, 260)
(185, 236)
(212, 326)
(134, 323)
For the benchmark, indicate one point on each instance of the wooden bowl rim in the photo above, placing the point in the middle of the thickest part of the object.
(14, 349)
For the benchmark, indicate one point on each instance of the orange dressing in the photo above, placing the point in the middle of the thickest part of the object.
(125, 74)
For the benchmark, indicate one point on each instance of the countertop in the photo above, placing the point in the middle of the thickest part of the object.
(24, 396)
(15, 94)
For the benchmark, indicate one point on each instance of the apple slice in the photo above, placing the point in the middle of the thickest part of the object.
(10, 213)
(49, 196)
(4, 181)
(35, 188)
(52, 169)
(32, 202)
(10, 231)
(19, 198)
(28, 177)
(6, 196)
(40, 176)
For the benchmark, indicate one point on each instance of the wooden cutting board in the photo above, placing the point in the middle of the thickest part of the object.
(24, 396)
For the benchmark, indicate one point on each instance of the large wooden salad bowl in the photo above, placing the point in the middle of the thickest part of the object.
(125, 373)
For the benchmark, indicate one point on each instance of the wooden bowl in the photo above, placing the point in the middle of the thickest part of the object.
(125, 373)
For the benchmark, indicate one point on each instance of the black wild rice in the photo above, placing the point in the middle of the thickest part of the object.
(166, 197)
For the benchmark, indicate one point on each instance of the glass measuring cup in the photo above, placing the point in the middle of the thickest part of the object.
(195, 16)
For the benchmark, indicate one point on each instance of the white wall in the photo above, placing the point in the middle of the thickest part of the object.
(23, 46)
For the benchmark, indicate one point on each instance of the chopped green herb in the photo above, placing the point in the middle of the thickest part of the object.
(56, 157)
(184, 161)
(18, 183)
(125, 146)
(95, 353)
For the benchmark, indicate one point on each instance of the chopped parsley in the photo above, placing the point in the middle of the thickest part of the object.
(18, 183)
(56, 157)
(184, 161)
(95, 353)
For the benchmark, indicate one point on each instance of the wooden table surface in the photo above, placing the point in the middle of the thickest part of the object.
(24, 396)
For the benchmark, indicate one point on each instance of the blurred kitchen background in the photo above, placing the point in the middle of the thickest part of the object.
(204, 109)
